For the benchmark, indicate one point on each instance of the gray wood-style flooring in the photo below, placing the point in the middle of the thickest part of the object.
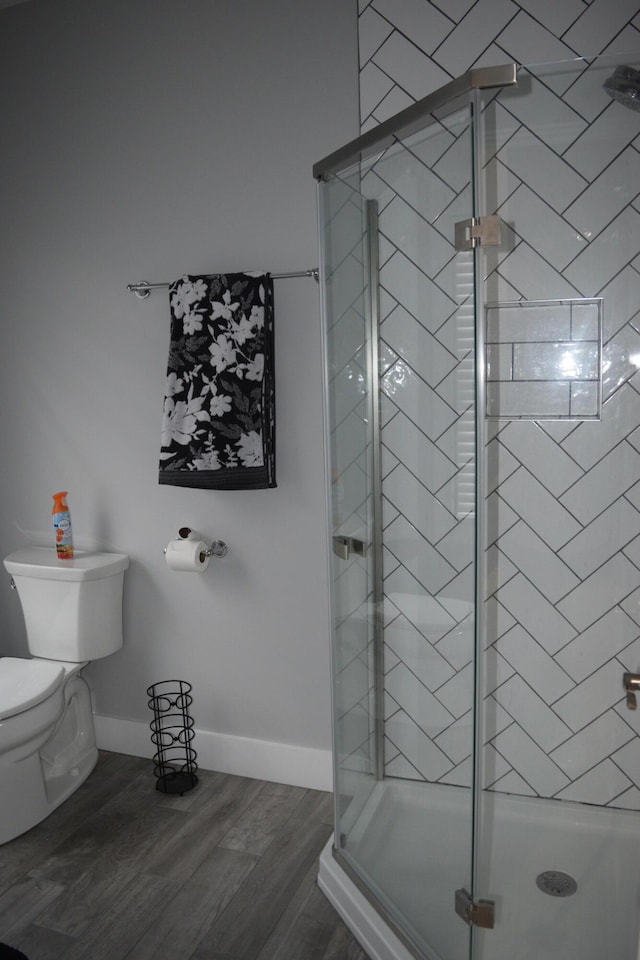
(226, 872)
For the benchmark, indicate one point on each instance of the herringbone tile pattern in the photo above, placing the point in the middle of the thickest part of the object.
(563, 528)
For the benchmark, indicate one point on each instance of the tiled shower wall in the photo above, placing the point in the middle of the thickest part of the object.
(563, 516)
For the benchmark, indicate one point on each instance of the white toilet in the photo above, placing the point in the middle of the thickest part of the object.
(73, 614)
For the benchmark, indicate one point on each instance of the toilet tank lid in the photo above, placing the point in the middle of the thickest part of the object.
(42, 563)
(24, 683)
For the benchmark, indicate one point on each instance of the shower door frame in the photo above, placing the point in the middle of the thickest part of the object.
(407, 122)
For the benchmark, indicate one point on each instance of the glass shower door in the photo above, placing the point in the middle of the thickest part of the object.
(400, 344)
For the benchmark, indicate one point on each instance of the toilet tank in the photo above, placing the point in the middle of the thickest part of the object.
(72, 608)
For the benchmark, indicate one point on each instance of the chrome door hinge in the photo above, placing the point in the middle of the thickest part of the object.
(478, 913)
(477, 232)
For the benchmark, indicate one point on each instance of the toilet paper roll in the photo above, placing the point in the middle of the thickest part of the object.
(187, 555)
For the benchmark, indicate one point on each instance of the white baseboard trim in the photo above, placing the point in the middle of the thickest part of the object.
(242, 756)
(369, 929)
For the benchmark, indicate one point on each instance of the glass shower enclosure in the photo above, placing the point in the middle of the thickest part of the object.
(480, 269)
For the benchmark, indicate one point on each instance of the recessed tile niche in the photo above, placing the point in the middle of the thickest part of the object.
(543, 360)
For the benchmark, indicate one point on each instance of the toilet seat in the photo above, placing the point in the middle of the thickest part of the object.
(25, 683)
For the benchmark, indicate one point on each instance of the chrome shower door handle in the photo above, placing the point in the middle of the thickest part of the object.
(631, 683)
(344, 547)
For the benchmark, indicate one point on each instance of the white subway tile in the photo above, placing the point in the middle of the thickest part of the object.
(602, 538)
(495, 718)
(600, 592)
(494, 766)
(458, 546)
(555, 16)
(396, 100)
(418, 556)
(533, 162)
(418, 505)
(497, 618)
(525, 321)
(620, 359)
(534, 664)
(499, 569)
(541, 110)
(456, 443)
(457, 740)
(607, 196)
(416, 292)
(457, 646)
(411, 341)
(408, 231)
(620, 415)
(597, 644)
(499, 127)
(605, 482)
(606, 254)
(499, 517)
(598, 25)
(417, 400)
(373, 30)
(593, 696)
(585, 399)
(599, 786)
(421, 22)
(592, 744)
(374, 87)
(564, 360)
(628, 757)
(597, 146)
(585, 320)
(525, 40)
(541, 455)
(412, 69)
(586, 94)
(417, 604)
(539, 508)
(423, 708)
(532, 763)
(458, 387)
(532, 713)
(538, 562)
(456, 9)
(512, 782)
(417, 747)
(406, 442)
(541, 227)
(457, 693)
(528, 399)
(499, 183)
(533, 277)
(422, 659)
(477, 29)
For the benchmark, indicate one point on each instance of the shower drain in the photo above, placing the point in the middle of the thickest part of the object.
(556, 883)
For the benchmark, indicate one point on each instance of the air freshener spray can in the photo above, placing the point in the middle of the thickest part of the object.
(62, 526)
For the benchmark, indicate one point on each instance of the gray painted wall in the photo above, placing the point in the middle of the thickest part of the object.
(145, 139)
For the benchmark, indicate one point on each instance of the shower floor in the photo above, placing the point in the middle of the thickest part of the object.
(412, 841)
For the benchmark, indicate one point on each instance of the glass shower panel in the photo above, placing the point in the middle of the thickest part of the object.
(347, 312)
(559, 837)
(404, 612)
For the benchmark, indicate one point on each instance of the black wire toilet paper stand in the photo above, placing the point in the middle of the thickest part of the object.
(172, 731)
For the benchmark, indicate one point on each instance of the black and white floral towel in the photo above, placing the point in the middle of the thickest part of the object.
(218, 429)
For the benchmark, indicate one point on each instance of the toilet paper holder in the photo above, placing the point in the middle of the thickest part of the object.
(216, 549)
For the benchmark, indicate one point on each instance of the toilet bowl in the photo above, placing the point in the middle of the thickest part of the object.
(73, 614)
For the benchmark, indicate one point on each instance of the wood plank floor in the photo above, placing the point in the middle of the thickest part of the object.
(226, 872)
